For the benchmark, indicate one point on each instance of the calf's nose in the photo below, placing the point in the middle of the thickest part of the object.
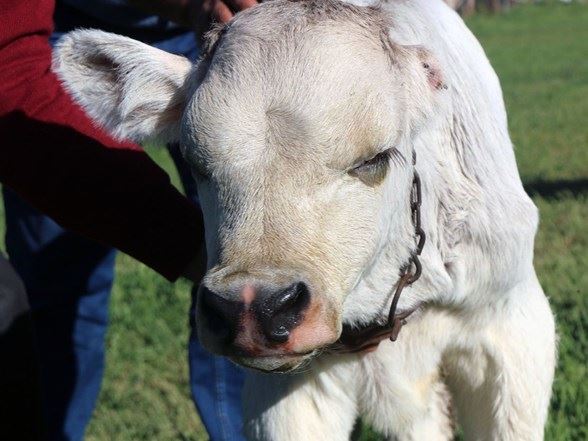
(280, 311)
(271, 313)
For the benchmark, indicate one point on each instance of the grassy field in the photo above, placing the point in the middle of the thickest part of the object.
(540, 53)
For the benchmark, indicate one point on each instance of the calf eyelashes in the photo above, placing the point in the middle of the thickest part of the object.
(373, 171)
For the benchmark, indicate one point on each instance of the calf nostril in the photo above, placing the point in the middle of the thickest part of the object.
(280, 312)
(279, 334)
(294, 297)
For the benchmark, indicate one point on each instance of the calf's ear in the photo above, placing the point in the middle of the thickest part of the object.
(131, 89)
(424, 82)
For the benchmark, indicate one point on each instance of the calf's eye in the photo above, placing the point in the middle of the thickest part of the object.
(373, 171)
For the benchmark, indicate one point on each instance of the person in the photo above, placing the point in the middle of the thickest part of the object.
(53, 156)
(68, 277)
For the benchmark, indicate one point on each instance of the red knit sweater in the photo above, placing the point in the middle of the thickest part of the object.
(55, 157)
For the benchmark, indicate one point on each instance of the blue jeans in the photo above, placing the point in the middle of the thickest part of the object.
(68, 280)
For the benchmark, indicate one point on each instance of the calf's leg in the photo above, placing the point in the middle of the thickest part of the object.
(403, 394)
(502, 386)
(315, 405)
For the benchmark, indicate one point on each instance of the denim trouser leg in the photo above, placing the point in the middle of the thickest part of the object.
(216, 386)
(215, 382)
(68, 279)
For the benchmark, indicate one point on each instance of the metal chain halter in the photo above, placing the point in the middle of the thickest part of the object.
(354, 340)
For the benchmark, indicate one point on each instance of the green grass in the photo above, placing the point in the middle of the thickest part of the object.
(146, 393)
(540, 53)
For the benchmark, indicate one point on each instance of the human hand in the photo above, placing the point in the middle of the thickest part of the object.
(198, 15)
(204, 13)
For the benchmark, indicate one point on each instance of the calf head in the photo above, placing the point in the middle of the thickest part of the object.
(298, 124)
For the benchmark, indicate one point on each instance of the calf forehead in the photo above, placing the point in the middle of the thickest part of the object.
(322, 89)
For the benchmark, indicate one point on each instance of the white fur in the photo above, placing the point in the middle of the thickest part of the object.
(264, 122)
(132, 89)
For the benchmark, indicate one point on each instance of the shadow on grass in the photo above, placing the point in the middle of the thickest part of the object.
(552, 189)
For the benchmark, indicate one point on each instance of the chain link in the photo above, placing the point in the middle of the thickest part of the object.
(408, 276)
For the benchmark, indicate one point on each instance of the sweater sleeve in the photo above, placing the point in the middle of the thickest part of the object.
(54, 156)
